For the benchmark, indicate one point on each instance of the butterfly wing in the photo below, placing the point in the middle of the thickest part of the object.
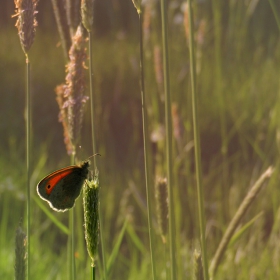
(61, 188)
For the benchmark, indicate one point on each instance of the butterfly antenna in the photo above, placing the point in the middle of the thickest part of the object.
(97, 154)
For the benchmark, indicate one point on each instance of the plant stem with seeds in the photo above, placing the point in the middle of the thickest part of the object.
(145, 140)
(168, 137)
(200, 193)
(94, 149)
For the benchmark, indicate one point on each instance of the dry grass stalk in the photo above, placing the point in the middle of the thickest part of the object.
(247, 201)
(162, 206)
(158, 69)
(62, 25)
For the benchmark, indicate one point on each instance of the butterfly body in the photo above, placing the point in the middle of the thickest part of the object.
(62, 187)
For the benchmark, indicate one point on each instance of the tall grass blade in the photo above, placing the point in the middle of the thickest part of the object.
(200, 192)
(145, 139)
(116, 248)
(49, 214)
(168, 128)
(26, 23)
(243, 229)
(20, 254)
(87, 20)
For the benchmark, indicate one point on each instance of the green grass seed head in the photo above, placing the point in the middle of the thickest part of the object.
(91, 215)
(26, 22)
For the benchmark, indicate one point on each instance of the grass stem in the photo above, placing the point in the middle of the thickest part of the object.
(200, 193)
(94, 146)
(28, 153)
(72, 234)
(168, 127)
(92, 272)
(145, 140)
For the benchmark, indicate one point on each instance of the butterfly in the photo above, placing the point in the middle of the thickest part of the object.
(62, 187)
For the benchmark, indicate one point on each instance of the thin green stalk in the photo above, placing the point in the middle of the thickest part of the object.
(72, 235)
(145, 139)
(200, 193)
(72, 238)
(93, 273)
(168, 137)
(94, 145)
(91, 98)
(28, 134)
(224, 195)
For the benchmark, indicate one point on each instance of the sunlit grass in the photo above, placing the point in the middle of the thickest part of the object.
(248, 100)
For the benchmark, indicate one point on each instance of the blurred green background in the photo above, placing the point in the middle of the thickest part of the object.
(237, 52)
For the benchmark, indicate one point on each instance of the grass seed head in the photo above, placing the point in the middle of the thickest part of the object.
(91, 215)
(162, 206)
(26, 22)
(62, 117)
(74, 90)
(197, 266)
(87, 14)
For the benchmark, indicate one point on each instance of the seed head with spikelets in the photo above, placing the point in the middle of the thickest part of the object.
(87, 14)
(197, 266)
(73, 99)
(91, 215)
(60, 98)
(26, 22)
(162, 206)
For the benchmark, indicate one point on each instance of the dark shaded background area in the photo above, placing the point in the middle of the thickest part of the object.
(119, 124)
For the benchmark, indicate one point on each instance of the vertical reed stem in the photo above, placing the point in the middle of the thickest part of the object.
(28, 133)
(145, 139)
(91, 97)
(200, 195)
(93, 273)
(94, 149)
(72, 234)
(168, 137)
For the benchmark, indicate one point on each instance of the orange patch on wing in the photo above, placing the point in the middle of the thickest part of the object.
(55, 178)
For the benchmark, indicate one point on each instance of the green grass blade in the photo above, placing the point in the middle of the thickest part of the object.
(51, 216)
(243, 229)
(200, 191)
(168, 127)
(116, 249)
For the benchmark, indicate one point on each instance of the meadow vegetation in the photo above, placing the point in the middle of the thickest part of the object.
(237, 52)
